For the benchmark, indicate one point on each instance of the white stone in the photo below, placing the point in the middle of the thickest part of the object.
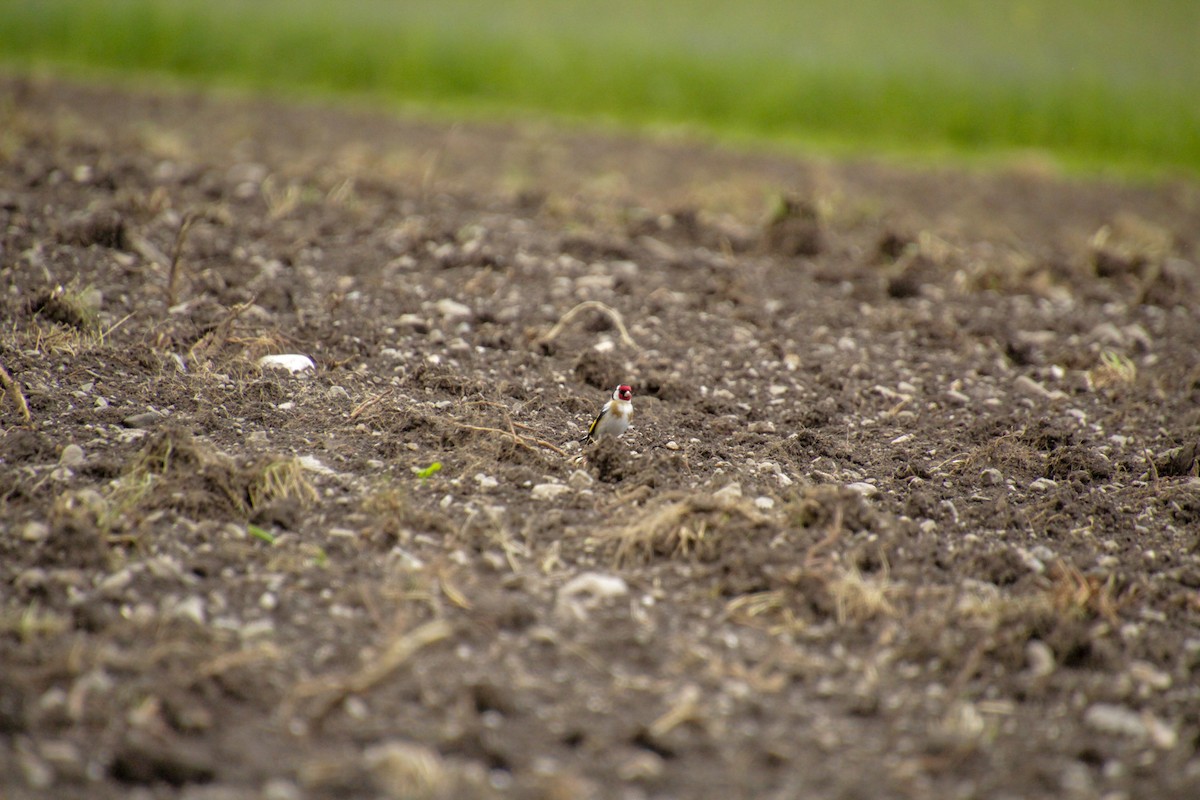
(863, 488)
(991, 477)
(1114, 719)
(312, 464)
(115, 583)
(1040, 658)
(190, 608)
(585, 592)
(292, 362)
(1027, 386)
(1150, 676)
(549, 491)
(452, 309)
(71, 456)
(35, 531)
(256, 629)
(1031, 562)
(728, 493)
(580, 479)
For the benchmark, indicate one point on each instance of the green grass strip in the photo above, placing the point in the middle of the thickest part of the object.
(1093, 83)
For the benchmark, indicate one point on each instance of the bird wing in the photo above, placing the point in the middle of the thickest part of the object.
(596, 421)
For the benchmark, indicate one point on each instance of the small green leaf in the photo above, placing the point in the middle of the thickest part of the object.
(260, 533)
(430, 470)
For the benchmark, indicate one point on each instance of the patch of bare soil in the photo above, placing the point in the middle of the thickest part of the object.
(909, 507)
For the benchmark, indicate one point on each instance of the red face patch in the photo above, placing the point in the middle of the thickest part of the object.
(624, 392)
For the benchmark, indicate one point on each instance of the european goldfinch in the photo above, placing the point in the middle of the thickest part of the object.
(613, 420)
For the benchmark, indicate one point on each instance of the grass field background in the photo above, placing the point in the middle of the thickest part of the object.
(1092, 84)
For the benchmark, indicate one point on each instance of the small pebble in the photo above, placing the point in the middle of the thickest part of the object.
(147, 419)
(549, 491)
(281, 789)
(190, 608)
(1040, 658)
(991, 477)
(1114, 719)
(593, 587)
(72, 456)
(1149, 675)
(728, 493)
(452, 309)
(957, 397)
(35, 531)
(1027, 386)
(292, 362)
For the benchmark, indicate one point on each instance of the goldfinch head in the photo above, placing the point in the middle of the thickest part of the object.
(623, 392)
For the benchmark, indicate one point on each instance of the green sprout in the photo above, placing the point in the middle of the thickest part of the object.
(428, 472)
(261, 533)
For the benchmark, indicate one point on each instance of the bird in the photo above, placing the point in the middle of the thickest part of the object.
(613, 419)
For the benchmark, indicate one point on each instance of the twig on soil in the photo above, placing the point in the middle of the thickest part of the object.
(971, 665)
(523, 441)
(835, 532)
(504, 409)
(685, 709)
(185, 225)
(212, 342)
(435, 162)
(13, 390)
(612, 314)
(362, 407)
(240, 658)
(106, 333)
(398, 651)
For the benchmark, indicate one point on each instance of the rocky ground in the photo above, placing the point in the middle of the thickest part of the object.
(909, 507)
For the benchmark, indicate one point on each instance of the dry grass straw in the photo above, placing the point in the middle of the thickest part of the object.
(1006, 451)
(174, 458)
(12, 391)
(410, 771)
(251, 657)
(330, 692)
(608, 311)
(684, 708)
(524, 440)
(32, 623)
(1114, 370)
(185, 225)
(280, 479)
(215, 340)
(772, 610)
(858, 598)
(684, 525)
(1075, 595)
